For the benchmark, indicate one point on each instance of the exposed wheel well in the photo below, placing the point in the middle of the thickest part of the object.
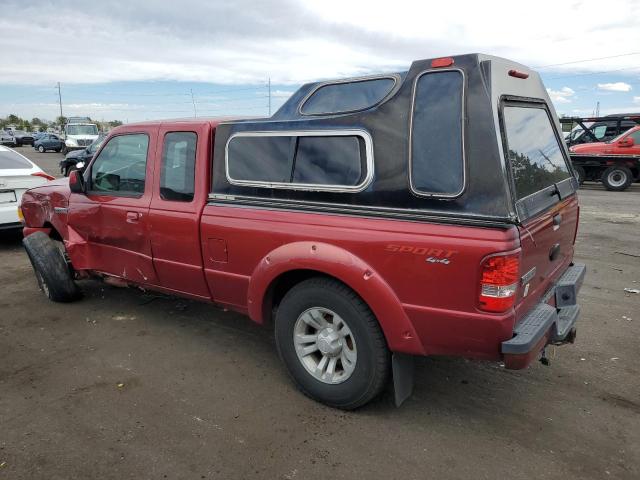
(54, 234)
(282, 284)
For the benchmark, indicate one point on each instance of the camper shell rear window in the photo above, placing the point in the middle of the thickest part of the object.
(535, 157)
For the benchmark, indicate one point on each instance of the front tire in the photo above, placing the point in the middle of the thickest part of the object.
(617, 178)
(51, 269)
(331, 344)
(65, 150)
(41, 149)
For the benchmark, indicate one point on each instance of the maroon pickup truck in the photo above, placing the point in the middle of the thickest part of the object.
(426, 212)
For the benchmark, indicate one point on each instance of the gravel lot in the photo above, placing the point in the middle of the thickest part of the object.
(130, 385)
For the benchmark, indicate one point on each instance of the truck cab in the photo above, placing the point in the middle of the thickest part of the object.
(79, 133)
(426, 212)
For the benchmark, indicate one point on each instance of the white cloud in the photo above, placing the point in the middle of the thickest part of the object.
(615, 87)
(636, 100)
(249, 41)
(564, 95)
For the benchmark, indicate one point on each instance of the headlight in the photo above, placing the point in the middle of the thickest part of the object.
(71, 142)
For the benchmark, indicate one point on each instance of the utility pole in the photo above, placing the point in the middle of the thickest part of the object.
(195, 112)
(269, 87)
(60, 100)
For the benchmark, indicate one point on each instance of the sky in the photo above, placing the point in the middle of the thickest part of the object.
(134, 60)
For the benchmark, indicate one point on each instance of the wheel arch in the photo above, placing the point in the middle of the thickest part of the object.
(290, 264)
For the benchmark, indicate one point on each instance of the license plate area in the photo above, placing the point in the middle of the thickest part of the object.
(7, 196)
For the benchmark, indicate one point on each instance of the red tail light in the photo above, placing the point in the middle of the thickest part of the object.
(441, 62)
(43, 175)
(518, 74)
(499, 278)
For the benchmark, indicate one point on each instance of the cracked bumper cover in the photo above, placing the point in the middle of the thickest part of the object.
(545, 323)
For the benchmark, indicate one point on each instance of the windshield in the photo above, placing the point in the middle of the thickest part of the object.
(96, 144)
(82, 129)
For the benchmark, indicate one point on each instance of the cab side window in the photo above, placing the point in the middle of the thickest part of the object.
(177, 177)
(121, 167)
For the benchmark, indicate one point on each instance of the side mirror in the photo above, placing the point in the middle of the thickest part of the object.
(76, 182)
(626, 142)
(80, 166)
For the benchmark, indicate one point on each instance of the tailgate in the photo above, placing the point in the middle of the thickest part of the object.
(547, 250)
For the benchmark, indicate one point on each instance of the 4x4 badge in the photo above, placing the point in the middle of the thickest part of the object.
(438, 260)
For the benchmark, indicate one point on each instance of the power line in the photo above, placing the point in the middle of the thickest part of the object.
(593, 73)
(588, 60)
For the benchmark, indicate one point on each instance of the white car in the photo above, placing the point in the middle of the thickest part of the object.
(17, 175)
(7, 138)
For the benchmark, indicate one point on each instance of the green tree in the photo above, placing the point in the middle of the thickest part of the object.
(61, 120)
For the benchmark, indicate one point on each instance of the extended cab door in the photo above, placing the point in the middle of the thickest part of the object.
(179, 194)
(545, 196)
(109, 225)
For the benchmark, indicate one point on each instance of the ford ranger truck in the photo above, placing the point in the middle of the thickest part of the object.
(369, 220)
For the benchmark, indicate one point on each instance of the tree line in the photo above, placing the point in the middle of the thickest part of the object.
(40, 125)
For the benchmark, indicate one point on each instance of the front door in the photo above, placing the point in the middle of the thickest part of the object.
(109, 226)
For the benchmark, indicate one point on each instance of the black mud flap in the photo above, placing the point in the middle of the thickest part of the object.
(402, 366)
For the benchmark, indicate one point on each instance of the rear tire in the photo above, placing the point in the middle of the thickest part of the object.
(617, 178)
(51, 269)
(360, 358)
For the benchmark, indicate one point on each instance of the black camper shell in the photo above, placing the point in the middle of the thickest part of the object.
(447, 115)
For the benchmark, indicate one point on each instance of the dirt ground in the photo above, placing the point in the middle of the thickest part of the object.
(130, 385)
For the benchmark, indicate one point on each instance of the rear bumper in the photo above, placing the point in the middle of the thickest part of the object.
(546, 323)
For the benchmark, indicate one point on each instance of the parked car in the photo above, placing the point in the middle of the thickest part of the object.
(23, 138)
(38, 135)
(7, 138)
(427, 212)
(616, 163)
(17, 174)
(82, 157)
(49, 142)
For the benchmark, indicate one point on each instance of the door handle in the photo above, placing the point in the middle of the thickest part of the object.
(133, 217)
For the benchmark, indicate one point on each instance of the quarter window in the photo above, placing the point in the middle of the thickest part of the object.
(312, 160)
(437, 165)
(347, 96)
(121, 166)
(177, 175)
